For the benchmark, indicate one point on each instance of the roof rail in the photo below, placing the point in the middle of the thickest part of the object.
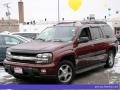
(78, 23)
(66, 22)
(93, 22)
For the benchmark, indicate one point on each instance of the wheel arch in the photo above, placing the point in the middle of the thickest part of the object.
(69, 57)
(113, 48)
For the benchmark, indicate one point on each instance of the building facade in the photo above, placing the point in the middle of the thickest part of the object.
(116, 25)
(9, 25)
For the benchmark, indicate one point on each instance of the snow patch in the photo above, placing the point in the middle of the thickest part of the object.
(116, 70)
(117, 56)
(3, 73)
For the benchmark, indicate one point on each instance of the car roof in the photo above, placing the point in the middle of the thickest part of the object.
(8, 35)
(2, 34)
(24, 33)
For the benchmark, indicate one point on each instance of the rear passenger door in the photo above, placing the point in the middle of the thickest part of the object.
(99, 44)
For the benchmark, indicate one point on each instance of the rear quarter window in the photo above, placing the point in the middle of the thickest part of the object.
(107, 31)
(0, 40)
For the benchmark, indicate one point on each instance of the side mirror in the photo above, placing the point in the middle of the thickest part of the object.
(33, 38)
(83, 39)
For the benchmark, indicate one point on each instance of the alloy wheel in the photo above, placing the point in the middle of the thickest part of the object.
(65, 73)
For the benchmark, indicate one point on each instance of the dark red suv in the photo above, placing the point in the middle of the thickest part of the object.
(64, 50)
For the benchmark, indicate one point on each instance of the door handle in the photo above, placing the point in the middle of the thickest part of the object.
(92, 45)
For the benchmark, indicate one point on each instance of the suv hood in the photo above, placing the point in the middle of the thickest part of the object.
(37, 46)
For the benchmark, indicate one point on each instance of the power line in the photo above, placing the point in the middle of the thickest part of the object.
(58, 11)
(8, 13)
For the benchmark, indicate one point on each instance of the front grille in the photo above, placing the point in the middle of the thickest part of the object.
(27, 57)
(23, 54)
(23, 61)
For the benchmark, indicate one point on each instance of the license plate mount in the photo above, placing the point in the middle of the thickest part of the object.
(18, 70)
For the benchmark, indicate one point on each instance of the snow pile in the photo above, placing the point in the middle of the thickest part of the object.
(3, 73)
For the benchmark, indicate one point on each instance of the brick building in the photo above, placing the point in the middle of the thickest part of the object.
(9, 25)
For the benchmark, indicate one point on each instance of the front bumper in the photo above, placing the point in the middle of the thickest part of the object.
(35, 70)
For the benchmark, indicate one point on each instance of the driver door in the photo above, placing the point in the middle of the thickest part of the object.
(85, 49)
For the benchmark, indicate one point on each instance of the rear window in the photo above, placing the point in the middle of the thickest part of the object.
(107, 31)
(27, 35)
(11, 40)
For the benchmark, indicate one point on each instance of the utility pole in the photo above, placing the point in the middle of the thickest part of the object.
(58, 11)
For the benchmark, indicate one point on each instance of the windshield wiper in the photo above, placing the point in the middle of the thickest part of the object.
(41, 39)
(54, 40)
(57, 40)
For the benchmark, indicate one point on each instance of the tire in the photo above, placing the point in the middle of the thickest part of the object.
(110, 60)
(65, 72)
(19, 77)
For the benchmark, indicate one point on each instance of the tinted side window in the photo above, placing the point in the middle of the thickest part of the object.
(11, 40)
(95, 31)
(0, 40)
(107, 31)
(85, 33)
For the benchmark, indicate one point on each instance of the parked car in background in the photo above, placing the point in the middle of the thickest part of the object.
(27, 35)
(8, 41)
(24, 38)
(118, 38)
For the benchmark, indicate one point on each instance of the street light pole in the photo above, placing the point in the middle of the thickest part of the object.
(58, 11)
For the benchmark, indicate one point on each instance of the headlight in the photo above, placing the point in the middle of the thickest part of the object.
(8, 53)
(44, 58)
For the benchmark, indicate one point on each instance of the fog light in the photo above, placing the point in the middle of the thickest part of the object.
(43, 70)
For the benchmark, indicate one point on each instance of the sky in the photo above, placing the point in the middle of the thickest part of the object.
(41, 9)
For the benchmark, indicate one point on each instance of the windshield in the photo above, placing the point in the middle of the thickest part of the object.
(60, 33)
